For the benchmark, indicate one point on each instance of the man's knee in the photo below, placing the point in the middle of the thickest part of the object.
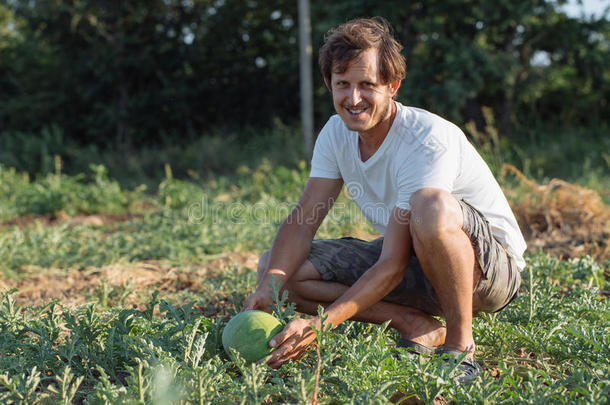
(306, 271)
(263, 264)
(433, 213)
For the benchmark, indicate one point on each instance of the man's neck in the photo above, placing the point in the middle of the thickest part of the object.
(372, 139)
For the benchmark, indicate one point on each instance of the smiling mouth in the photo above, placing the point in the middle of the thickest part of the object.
(355, 111)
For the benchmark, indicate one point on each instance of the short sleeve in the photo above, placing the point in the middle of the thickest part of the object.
(324, 160)
(434, 165)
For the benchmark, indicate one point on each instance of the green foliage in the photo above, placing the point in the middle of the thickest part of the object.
(523, 59)
(55, 193)
(33, 152)
(146, 71)
(283, 309)
(20, 389)
(556, 352)
(199, 220)
(201, 158)
(164, 71)
(67, 386)
(548, 346)
(575, 155)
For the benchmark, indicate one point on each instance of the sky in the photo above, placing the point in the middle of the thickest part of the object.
(589, 7)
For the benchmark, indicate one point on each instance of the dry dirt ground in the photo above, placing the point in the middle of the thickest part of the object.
(61, 217)
(128, 284)
(558, 218)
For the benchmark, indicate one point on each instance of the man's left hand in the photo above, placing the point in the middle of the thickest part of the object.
(292, 342)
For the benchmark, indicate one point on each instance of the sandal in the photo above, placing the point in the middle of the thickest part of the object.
(468, 369)
(415, 347)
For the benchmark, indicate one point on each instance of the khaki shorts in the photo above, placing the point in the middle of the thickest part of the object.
(345, 260)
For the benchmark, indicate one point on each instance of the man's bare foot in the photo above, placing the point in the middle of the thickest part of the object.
(435, 337)
(470, 349)
(420, 328)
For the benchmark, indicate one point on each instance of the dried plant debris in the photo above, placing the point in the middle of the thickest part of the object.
(559, 218)
(102, 219)
(125, 284)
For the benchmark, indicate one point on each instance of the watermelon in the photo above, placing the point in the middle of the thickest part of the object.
(249, 333)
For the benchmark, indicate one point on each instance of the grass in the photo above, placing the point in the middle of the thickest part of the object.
(199, 220)
(551, 345)
(577, 155)
(56, 192)
(204, 158)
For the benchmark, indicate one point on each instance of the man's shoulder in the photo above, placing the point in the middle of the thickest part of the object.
(335, 130)
(424, 127)
(335, 124)
(419, 119)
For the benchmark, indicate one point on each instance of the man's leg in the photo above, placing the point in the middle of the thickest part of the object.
(447, 258)
(308, 290)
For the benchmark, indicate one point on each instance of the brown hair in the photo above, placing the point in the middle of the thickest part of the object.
(346, 42)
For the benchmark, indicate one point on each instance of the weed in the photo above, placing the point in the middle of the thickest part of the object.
(550, 345)
(282, 309)
(556, 352)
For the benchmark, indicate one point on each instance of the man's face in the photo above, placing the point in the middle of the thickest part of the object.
(359, 96)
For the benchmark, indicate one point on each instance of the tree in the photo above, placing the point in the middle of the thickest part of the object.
(464, 55)
(306, 79)
(120, 74)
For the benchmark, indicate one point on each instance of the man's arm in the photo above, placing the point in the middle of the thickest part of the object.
(293, 239)
(383, 277)
(375, 284)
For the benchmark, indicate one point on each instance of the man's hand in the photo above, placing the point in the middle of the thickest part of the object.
(260, 299)
(292, 342)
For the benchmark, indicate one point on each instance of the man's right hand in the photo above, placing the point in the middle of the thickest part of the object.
(292, 242)
(260, 299)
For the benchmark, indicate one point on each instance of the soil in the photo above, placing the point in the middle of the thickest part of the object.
(129, 284)
(61, 217)
(559, 218)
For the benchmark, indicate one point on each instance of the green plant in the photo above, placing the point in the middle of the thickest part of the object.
(281, 307)
(550, 345)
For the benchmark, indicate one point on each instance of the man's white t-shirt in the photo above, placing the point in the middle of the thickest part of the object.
(420, 150)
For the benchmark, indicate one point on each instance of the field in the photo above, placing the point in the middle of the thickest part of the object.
(119, 295)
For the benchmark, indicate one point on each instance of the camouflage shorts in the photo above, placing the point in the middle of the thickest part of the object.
(345, 260)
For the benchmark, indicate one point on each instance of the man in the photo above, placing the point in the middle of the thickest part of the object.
(451, 245)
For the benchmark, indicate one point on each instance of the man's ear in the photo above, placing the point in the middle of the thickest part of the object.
(327, 82)
(394, 86)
